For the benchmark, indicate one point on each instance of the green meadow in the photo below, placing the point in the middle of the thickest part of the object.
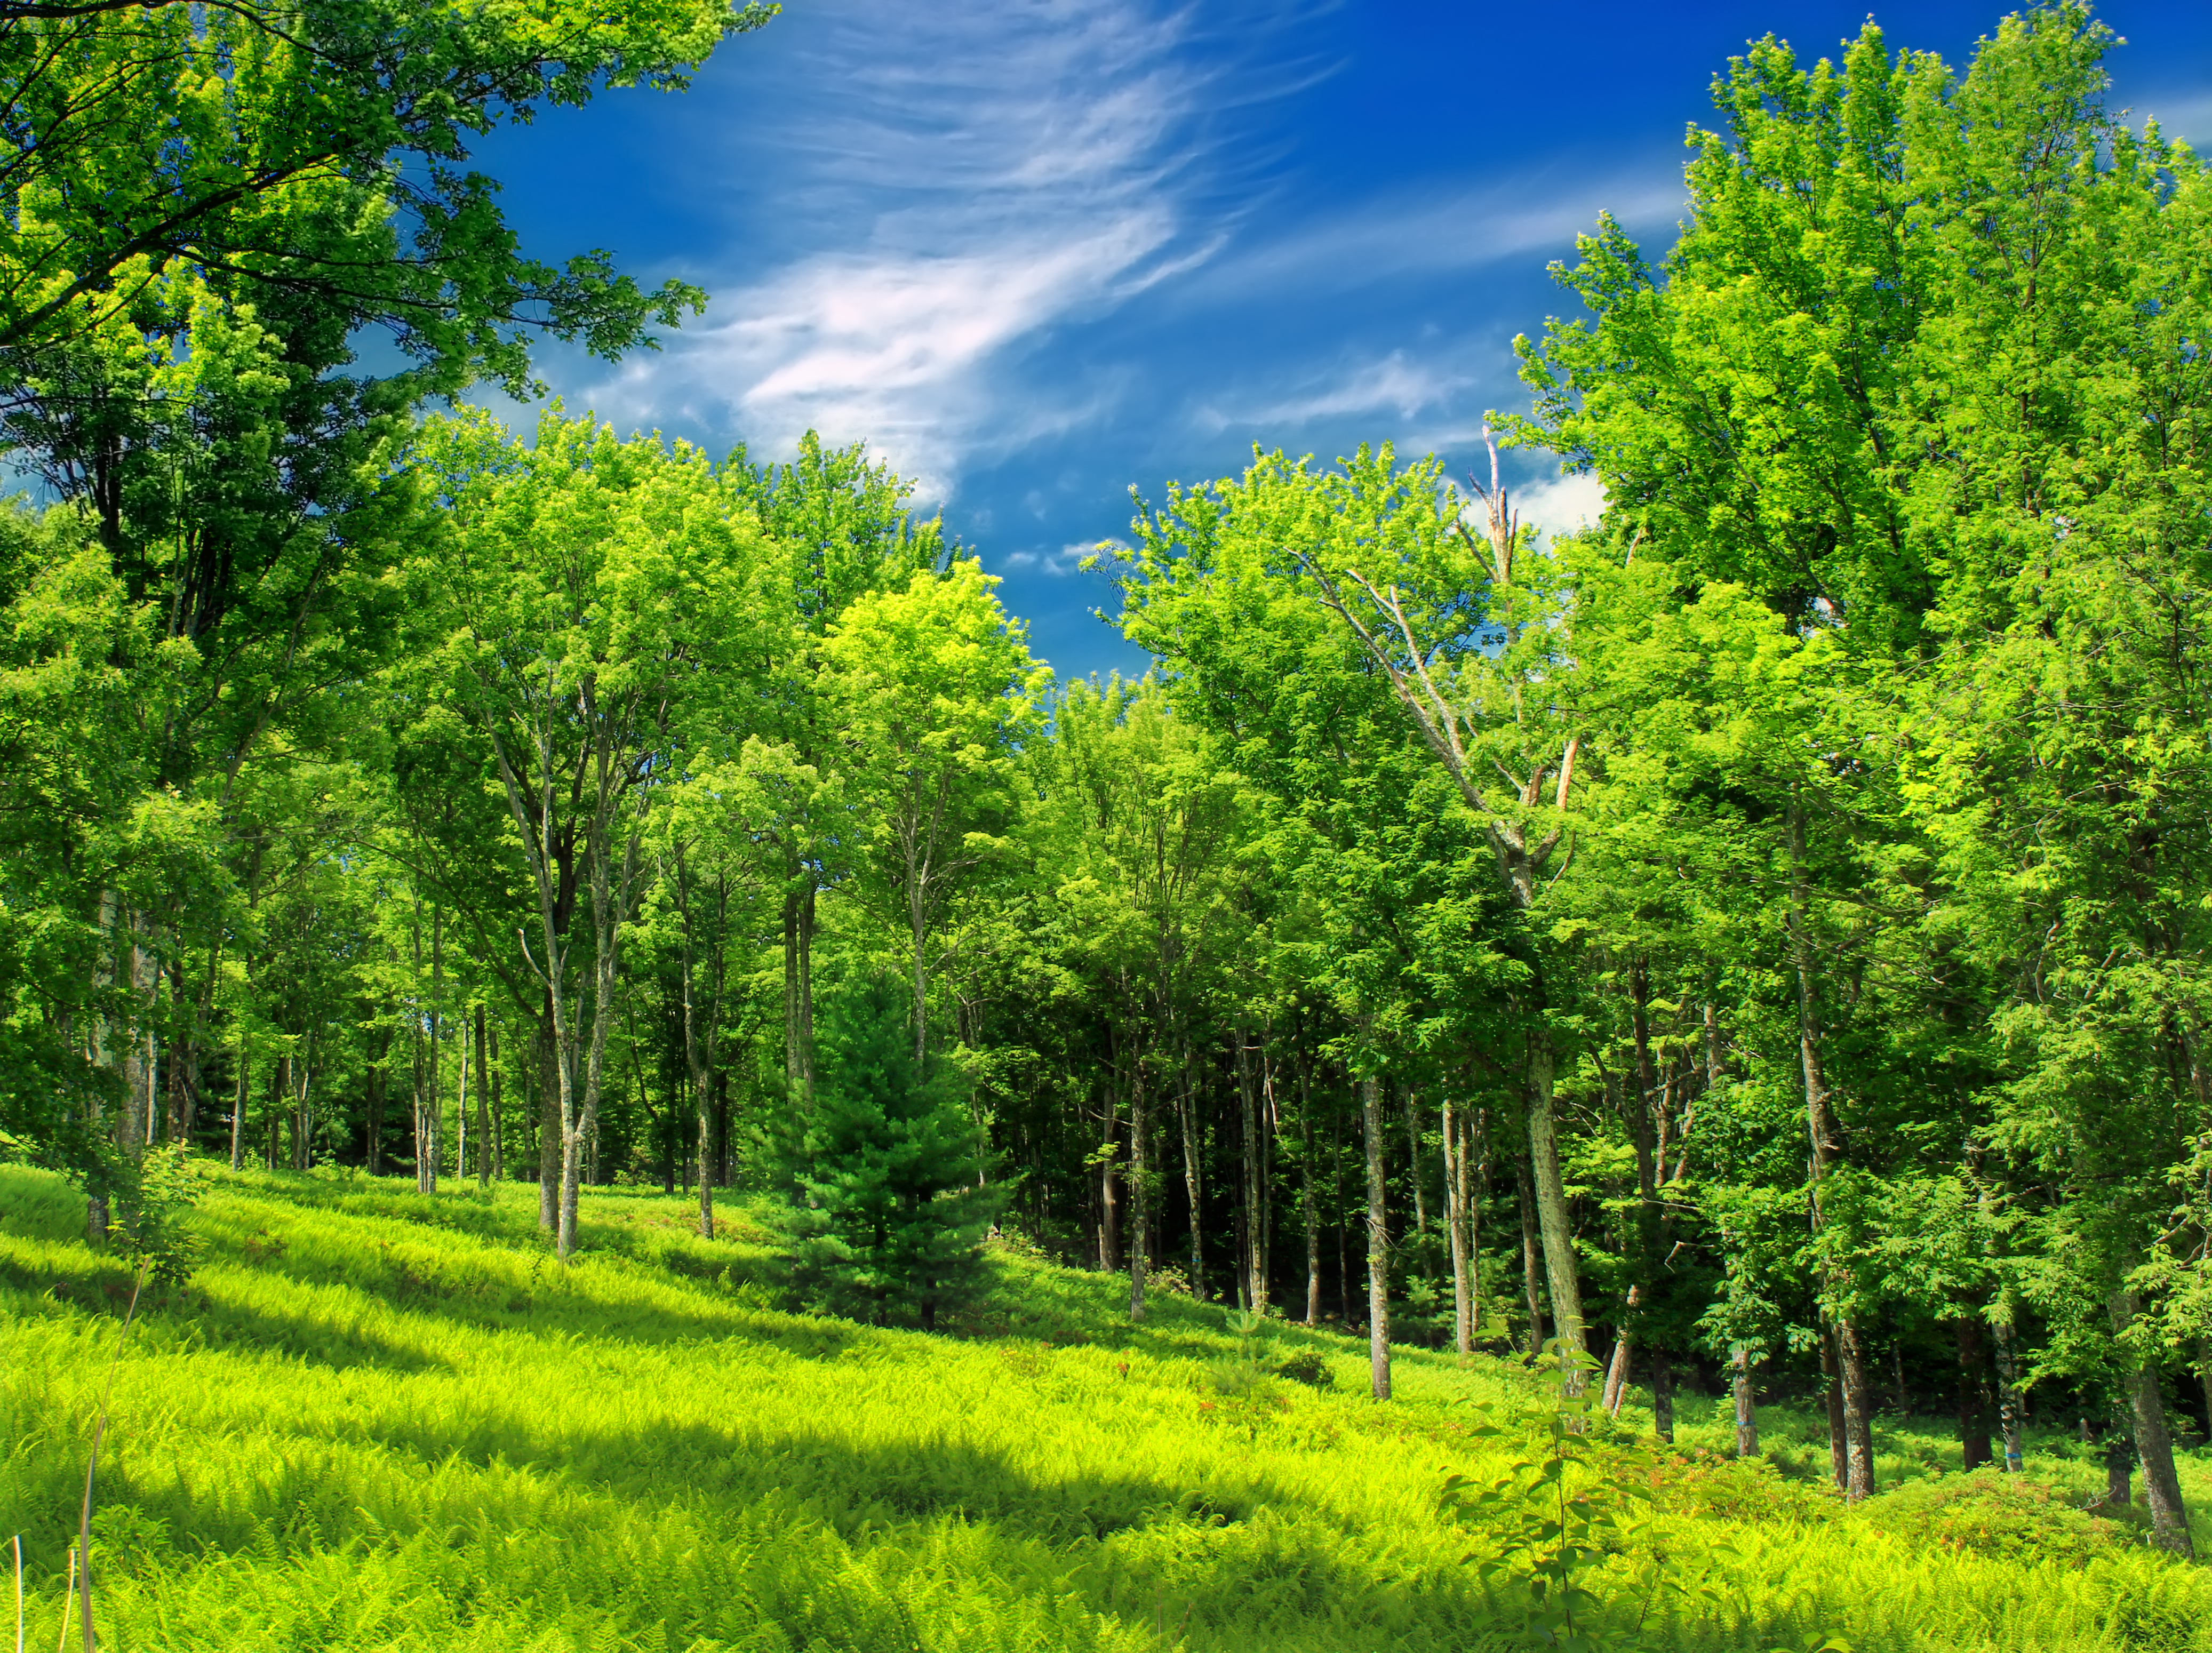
(374, 1420)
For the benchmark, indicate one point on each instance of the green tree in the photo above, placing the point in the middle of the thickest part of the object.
(571, 597)
(935, 691)
(890, 1206)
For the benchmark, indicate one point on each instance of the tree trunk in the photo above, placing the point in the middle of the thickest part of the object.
(138, 1077)
(1255, 1274)
(2008, 1414)
(303, 1124)
(1827, 1146)
(799, 992)
(611, 893)
(1187, 1116)
(2169, 1516)
(2204, 1380)
(1529, 1278)
(238, 1111)
(372, 1125)
(1646, 1121)
(1616, 1371)
(549, 1125)
(461, 1104)
(1109, 1204)
(1311, 1195)
(1343, 1238)
(1832, 1385)
(483, 1099)
(426, 1168)
(1747, 1414)
(1452, 1128)
(701, 1019)
(1858, 1410)
(1973, 1393)
(1378, 1241)
(1663, 1395)
(278, 1093)
(1560, 1275)
(498, 1120)
(1410, 1104)
(103, 979)
(1140, 1202)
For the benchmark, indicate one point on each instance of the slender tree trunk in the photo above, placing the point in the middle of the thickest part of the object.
(192, 1020)
(1858, 1409)
(278, 1094)
(2204, 1379)
(1309, 1191)
(1747, 1413)
(1827, 1145)
(1413, 1167)
(1140, 1197)
(1647, 1121)
(484, 1100)
(549, 1124)
(417, 1069)
(1343, 1233)
(372, 1146)
(1454, 1132)
(498, 1120)
(1663, 1395)
(1973, 1393)
(303, 1123)
(1560, 1273)
(1378, 1241)
(2008, 1414)
(138, 1047)
(103, 979)
(1186, 1115)
(1616, 1371)
(799, 990)
(1255, 1269)
(433, 1110)
(917, 892)
(1831, 1386)
(461, 1104)
(238, 1111)
(702, 1018)
(1271, 1131)
(1109, 1203)
(2169, 1516)
(1530, 1279)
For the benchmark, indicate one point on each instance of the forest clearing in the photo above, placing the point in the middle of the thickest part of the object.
(376, 1420)
(605, 1057)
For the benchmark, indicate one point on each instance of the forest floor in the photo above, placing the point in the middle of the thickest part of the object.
(375, 1421)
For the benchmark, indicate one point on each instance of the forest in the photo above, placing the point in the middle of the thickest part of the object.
(1746, 957)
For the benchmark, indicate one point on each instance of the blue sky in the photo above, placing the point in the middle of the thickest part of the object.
(1036, 253)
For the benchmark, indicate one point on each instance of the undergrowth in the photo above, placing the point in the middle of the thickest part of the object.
(372, 1421)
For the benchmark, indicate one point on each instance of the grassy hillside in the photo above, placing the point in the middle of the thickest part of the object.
(378, 1422)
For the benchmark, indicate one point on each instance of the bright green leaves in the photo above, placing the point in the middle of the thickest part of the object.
(319, 150)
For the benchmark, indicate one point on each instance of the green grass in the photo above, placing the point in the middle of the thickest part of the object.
(374, 1421)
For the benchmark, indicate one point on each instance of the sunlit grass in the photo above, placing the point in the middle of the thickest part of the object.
(380, 1422)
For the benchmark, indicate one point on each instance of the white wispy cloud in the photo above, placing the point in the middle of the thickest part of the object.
(1065, 561)
(983, 172)
(1394, 384)
(1393, 235)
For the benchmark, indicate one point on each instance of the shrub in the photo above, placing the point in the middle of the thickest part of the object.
(1990, 1514)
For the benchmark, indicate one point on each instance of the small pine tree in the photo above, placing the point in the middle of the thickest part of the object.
(887, 1218)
